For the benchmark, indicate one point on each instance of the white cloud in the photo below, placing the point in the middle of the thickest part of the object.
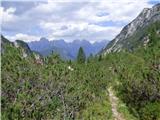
(80, 30)
(24, 37)
(121, 10)
(72, 19)
(7, 15)
(81, 24)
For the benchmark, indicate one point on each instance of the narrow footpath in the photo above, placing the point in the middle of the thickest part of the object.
(114, 101)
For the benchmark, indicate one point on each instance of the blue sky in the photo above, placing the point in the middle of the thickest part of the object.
(93, 20)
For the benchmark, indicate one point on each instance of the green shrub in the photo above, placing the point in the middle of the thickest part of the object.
(150, 111)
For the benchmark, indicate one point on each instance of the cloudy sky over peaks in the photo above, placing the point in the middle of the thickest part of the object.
(93, 20)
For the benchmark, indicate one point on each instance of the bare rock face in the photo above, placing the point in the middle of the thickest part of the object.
(26, 51)
(146, 17)
(38, 58)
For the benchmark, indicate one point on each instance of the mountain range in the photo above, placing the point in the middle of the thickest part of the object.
(67, 50)
(134, 35)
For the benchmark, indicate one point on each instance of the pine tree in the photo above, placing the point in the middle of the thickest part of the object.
(81, 57)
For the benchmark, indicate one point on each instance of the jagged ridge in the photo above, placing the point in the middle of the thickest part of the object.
(123, 40)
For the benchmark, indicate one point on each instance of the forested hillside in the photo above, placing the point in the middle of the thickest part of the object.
(57, 89)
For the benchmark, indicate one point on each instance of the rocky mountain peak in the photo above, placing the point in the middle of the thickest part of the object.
(142, 19)
(156, 8)
(145, 18)
(145, 13)
(43, 39)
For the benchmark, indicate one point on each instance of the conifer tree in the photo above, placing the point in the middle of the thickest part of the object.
(81, 57)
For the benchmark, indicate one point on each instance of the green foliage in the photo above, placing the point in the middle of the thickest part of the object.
(81, 57)
(150, 111)
(123, 109)
(67, 90)
(100, 109)
(51, 90)
(139, 78)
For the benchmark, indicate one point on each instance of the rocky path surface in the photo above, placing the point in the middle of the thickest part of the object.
(114, 101)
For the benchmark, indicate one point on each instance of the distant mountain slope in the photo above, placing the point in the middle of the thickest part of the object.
(66, 50)
(134, 34)
(23, 45)
(23, 49)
